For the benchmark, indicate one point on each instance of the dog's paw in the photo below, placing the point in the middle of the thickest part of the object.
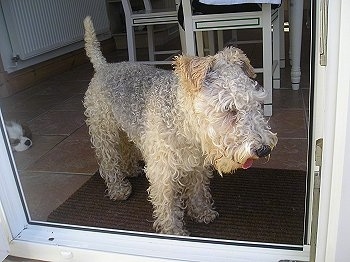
(176, 232)
(119, 191)
(170, 227)
(206, 216)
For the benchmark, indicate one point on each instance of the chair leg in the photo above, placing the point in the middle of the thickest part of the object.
(150, 42)
(190, 43)
(200, 44)
(220, 39)
(267, 58)
(182, 39)
(296, 27)
(233, 40)
(211, 38)
(282, 40)
(189, 38)
(234, 37)
(188, 26)
(130, 35)
(276, 52)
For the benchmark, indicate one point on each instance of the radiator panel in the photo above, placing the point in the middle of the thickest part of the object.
(39, 26)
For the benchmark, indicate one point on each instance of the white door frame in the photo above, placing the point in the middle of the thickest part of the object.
(36, 241)
(4, 245)
(333, 81)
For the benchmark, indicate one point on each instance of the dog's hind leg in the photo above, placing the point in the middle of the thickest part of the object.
(131, 164)
(104, 132)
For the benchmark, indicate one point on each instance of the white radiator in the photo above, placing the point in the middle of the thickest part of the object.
(36, 27)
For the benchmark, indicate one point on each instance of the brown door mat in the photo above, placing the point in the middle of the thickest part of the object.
(258, 205)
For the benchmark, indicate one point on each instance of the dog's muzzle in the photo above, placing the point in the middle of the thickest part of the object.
(263, 151)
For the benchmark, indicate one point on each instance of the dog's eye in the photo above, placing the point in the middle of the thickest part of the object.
(14, 142)
(227, 108)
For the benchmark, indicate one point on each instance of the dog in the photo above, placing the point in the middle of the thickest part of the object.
(19, 135)
(205, 114)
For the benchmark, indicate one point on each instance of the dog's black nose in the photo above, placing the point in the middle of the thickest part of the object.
(263, 151)
(28, 142)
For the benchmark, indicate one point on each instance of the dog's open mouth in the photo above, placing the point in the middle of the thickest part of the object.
(248, 163)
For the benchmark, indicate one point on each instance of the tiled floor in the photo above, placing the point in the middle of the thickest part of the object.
(61, 158)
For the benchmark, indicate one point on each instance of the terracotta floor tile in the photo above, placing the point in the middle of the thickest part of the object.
(41, 145)
(36, 103)
(81, 134)
(44, 192)
(75, 87)
(306, 97)
(57, 123)
(22, 117)
(74, 103)
(70, 156)
(288, 123)
(289, 154)
(287, 99)
(70, 88)
(83, 72)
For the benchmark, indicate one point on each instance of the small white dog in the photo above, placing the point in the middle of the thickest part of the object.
(19, 135)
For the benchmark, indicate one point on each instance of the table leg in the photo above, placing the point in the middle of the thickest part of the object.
(296, 25)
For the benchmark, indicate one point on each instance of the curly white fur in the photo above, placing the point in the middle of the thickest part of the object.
(206, 114)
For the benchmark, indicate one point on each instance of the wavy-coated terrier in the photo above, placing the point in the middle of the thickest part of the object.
(206, 113)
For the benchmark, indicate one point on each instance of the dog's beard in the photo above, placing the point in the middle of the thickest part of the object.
(225, 165)
(242, 158)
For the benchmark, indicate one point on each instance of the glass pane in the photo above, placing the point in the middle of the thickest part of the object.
(59, 171)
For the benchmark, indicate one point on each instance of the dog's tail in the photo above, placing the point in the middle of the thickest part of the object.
(92, 45)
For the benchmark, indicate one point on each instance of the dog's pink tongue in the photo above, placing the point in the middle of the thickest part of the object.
(248, 163)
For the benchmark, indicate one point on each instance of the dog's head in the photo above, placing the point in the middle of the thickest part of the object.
(226, 108)
(19, 135)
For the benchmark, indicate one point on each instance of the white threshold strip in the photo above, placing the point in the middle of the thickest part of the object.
(91, 244)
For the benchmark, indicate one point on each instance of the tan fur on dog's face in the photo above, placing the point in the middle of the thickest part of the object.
(226, 104)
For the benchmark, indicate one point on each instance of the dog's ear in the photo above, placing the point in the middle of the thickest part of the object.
(236, 55)
(192, 70)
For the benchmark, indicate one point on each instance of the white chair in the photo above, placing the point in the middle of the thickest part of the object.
(148, 17)
(195, 24)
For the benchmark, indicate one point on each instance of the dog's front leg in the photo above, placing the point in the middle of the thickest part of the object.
(165, 195)
(199, 199)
